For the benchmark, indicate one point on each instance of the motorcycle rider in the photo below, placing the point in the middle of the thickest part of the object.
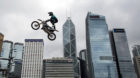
(53, 19)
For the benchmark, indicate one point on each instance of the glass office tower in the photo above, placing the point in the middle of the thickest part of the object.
(124, 62)
(136, 50)
(18, 51)
(69, 39)
(17, 54)
(101, 64)
(69, 43)
(6, 50)
(136, 59)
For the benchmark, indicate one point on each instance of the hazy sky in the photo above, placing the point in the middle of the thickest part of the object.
(17, 15)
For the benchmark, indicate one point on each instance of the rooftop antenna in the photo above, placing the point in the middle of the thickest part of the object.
(66, 13)
(70, 12)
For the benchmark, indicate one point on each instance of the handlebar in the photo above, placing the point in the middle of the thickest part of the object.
(39, 20)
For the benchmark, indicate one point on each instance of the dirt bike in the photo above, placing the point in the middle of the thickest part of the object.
(45, 27)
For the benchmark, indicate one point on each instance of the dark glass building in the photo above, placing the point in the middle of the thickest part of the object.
(123, 57)
(69, 43)
(82, 54)
(83, 63)
(100, 57)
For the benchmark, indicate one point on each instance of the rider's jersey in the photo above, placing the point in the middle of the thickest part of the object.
(53, 19)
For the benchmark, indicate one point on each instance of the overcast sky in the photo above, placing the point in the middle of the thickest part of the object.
(17, 15)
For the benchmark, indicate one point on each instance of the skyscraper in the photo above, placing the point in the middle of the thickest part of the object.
(136, 58)
(124, 62)
(17, 54)
(1, 41)
(58, 68)
(18, 68)
(18, 51)
(69, 43)
(136, 50)
(6, 51)
(32, 58)
(69, 39)
(100, 58)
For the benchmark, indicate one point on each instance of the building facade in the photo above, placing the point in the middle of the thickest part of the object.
(18, 68)
(136, 50)
(18, 49)
(69, 43)
(136, 59)
(32, 58)
(123, 57)
(100, 57)
(1, 41)
(58, 68)
(7, 48)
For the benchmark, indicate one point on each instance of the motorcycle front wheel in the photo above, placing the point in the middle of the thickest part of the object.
(51, 36)
(35, 25)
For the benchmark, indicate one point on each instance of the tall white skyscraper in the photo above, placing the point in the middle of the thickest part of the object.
(32, 58)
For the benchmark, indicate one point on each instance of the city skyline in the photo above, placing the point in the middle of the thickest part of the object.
(17, 27)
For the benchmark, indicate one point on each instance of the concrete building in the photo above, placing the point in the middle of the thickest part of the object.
(58, 68)
(69, 44)
(32, 58)
(100, 57)
(123, 57)
(136, 59)
(1, 41)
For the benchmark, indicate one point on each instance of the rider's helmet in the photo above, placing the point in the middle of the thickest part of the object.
(50, 13)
